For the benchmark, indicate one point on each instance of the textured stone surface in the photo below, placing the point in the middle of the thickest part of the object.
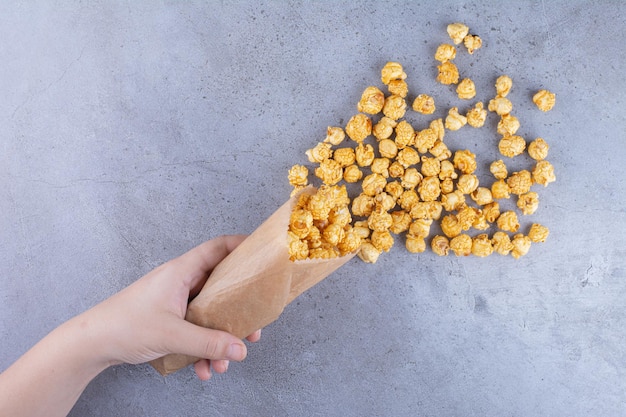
(132, 131)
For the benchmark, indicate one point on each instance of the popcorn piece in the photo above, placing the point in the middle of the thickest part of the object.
(519, 182)
(392, 71)
(401, 221)
(453, 201)
(465, 161)
(382, 240)
(329, 171)
(448, 73)
(411, 178)
(420, 228)
(415, 244)
(508, 125)
(298, 249)
(334, 135)
(407, 157)
(454, 120)
(379, 219)
(381, 166)
(457, 32)
(461, 245)
(368, 253)
(450, 225)
(387, 148)
(467, 183)
(430, 166)
(359, 127)
(501, 243)
(396, 170)
(408, 199)
(508, 221)
(344, 156)
(445, 52)
(340, 215)
(446, 170)
(363, 205)
(512, 145)
(466, 89)
(384, 128)
(491, 212)
(528, 202)
(472, 42)
(500, 105)
(385, 201)
(373, 184)
(398, 87)
(333, 234)
(395, 107)
(352, 174)
(440, 245)
(361, 229)
(364, 154)
(372, 101)
(350, 243)
(477, 115)
(521, 245)
(438, 127)
(320, 152)
(482, 196)
(544, 100)
(447, 186)
(543, 173)
(425, 139)
(424, 104)
(482, 246)
(394, 189)
(538, 149)
(298, 176)
(440, 151)
(429, 189)
(300, 222)
(466, 216)
(500, 190)
(498, 169)
(503, 85)
(538, 233)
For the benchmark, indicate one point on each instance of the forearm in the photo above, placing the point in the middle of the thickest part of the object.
(49, 378)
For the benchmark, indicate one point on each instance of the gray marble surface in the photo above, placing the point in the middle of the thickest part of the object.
(132, 131)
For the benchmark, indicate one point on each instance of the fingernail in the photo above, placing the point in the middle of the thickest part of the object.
(236, 352)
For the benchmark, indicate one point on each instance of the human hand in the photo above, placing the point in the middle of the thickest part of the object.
(146, 320)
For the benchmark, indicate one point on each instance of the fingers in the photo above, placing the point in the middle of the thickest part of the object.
(189, 339)
(254, 337)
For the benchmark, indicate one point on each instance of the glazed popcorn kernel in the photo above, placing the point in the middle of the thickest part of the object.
(454, 120)
(430, 166)
(472, 43)
(382, 240)
(543, 173)
(482, 196)
(457, 32)
(361, 229)
(398, 87)
(461, 245)
(501, 243)
(477, 115)
(396, 170)
(500, 190)
(373, 184)
(368, 253)
(385, 201)
(528, 202)
(301, 222)
(498, 169)
(450, 225)
(538, 233)
(425, 139)
(426, 210)
(394, 189)
(424, 104)
(467, 183)
(465, 161)
(364, 154)
(438, 127)
(491, 212)
(411, 178)
(392, 71)
(538, 149)
(415, 244)
(363, 205)
(395, 107)
(445, 52)
(352, 174)
(334, 135)
(372, 101)
(511, 145)
(429, 189)
(298, 249)
(467, 216)
(519, 182)
(448, 73)
(381, 166)
(420, 228)
(387, 148)
(333, 234)
(500, 105)
(447, 186)
(446, 170)
(508, 222)
(408, 199)
(440, 150)
(359, 127)
(503, 85)
(298, 176)
(508, 125)
(384, 128)
(407, 157)
(440, 245)
(521, 245)
(329, 171)
(466, 89)
(401, 221)
(344, 156)
(350, 243)
(379, 219)
(544, 100)
(482, 246)
(405, 135)
(453, 200)
(320, 152)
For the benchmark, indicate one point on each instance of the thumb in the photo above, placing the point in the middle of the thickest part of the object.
(190, 339)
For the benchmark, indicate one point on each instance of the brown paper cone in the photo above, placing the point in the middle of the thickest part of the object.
(251, 287)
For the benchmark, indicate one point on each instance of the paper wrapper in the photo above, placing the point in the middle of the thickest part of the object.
(251, 287)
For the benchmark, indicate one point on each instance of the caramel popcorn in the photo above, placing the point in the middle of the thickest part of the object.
(396, 170)
(361, 229)
(379, 219)
(420, 228)
(503, 85)
(500, 190)
(519, 182)
(440, 245)
(465, 161)
(438, 127)
(362, 205)
(521, 245)
(415, 244)
(392, 71)
(511, 145)
(411, 178)
(430, 166)
(395, 107)
(329, 171)
(334, 135)
(467, 183)
(382, 240)
(373, 184)
(424, 104)
(398, 87)
(372, 101)
(446, 170)
(450, 225)
(364, 154)
(298, 249)
(407, 157)
(445, 52)
(461, 245)
(440, 150)
(298, 176)
(368, 253)
(448, 73)
(384, 128)
(426, 210)
(429, 188)
(482, 196)
(387, 148)
(359, 127)
(472, 43)
(447, 186)
(454, 120)
(385, 201)
(482, 246)
(543, 173)
(457, 32)
(381, 166)
(453, 200)
(425, 139)
(491, 212)
(538, 233)
(477, 115)
(544, 100)
(508, 125)
(466, 89)
(501, 243)
(498, 169)
(394, 189)
(352, 174)
(401, 221)
(344, 156)
(466, 216)
(528, 202)
(538, 149)
(350, 243)
(320, 152)
(500, 105)
(508, 221)
(333, 234)
(405, 135)
(408, 199)
(301, 222)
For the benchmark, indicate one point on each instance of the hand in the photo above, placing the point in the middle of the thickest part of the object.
(146, 320)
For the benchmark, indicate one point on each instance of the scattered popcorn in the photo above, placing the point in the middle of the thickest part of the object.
(424, 104)
(368, 253)
(500, 105)
(538, 149)
(528, 202)
(461, 245)
(415, 244)
(334, 135)
(445, 52)
(429, 189)
(508, 221)
(502, 243)
(398, 87)
(384, 128)
(472, 43)
(394, 107)
(359, 127)
(477, 115)
(544, 100)
(521, 245)
(466, 89)
(381, 166)
(467, 183)
(508, 125)
(543, 173)
(329, 171)
(465, 161)
(298, 175)
(372, 101)
(511, 145)
(503, 85)
(448, 73)
(425, 139)
(320, 152)
(440, 245)
(382, 240)
(457, 32)
(392, 71)
(500, 190)
(538, 233)
(405, 135)
(364, 154)
(482, 246)
(344, 156)
(498, 169)
(482, 196)
(519, 182)
(387, 148)
(454, 120)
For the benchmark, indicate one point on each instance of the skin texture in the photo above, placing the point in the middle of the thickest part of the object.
(140, 323)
